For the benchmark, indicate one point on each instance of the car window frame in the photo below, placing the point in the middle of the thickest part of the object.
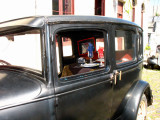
(140, 50)
(80, 77)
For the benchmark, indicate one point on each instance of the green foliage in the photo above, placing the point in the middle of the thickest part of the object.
(157, 14)
(147, 47)
(128, 7)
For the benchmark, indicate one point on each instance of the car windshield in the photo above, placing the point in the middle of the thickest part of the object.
(21, 49)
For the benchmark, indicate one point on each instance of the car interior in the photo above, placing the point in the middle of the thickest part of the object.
(72, 48)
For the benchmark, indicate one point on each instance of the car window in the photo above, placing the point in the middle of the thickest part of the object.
(67, 46)
(79, 52)
(124, 46)
(21, 49)
(140, 46)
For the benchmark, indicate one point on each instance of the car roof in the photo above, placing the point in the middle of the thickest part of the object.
(39, 21)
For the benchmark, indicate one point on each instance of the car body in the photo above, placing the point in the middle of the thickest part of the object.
(46, 72)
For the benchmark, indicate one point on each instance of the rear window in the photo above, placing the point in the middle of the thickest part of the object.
(124, 46)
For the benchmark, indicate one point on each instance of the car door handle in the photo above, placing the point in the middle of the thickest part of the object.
(114, 75)
(120, 75)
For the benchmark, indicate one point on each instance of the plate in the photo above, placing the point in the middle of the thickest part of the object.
(90, 65)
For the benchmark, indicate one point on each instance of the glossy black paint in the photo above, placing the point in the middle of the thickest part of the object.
(21, 96)
(28, 95)
(86, 102)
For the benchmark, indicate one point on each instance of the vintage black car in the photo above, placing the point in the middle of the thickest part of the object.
(72, 68)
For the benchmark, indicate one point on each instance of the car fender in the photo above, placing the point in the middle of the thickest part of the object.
(130, 103)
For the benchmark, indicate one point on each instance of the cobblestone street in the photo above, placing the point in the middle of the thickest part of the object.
(153, 77)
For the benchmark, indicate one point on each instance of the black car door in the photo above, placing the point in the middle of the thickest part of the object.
(126, 67)
(86, 94)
